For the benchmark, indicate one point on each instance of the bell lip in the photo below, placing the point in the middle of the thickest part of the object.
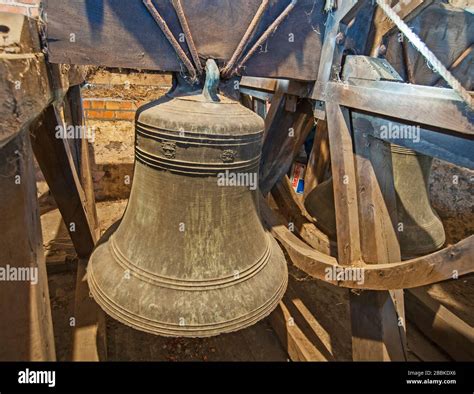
(197, 331)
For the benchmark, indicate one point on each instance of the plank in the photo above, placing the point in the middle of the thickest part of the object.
(56, 163)
(438, 323)
(284, 137)
(454, 148)
(319, 159)
(276, 105)
(344, 183)
(272, 85)
(26, 328)
(378, 317)
(123, 34)
(424, 105)
(89, 335)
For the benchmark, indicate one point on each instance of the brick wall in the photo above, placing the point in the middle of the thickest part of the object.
(110, 109)
(25, 7)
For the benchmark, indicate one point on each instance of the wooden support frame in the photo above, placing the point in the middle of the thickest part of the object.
(77, 207)
(455, 260)
(388, 338)
(89, 336)
(284, 136)
(378, 317)
(55, 159)
(26, 329)
(38, 93)
(426, 105)
(319, 159)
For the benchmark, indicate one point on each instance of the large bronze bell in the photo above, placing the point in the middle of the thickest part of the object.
(420, 230)
(190, 256)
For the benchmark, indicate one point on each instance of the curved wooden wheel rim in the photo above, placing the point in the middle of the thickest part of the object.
(448, 263)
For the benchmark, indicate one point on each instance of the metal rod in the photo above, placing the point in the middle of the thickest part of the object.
(187, 34)
(271, 29)
(244, 41)
(169, 35)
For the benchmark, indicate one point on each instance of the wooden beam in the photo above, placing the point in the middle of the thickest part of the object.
(285, 136)
(55, 159)
(264, 96)
(26, 328)
(89, 335)
(452, 147)
(377, 201)
(329, 50)
(378, 317)
(319, 159)
(424, 105)
(345, 184)
(276, 105)
(74, 116)
(259, 107)
(272, 85)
